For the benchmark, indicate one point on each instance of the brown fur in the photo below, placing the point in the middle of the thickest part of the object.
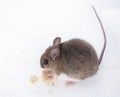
(77, 59)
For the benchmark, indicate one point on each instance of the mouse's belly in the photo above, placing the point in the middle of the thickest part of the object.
(83, 74)
(80, 69)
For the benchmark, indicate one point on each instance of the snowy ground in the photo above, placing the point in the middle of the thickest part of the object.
(27, 28)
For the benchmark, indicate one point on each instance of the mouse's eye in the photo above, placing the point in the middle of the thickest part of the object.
(45, 61)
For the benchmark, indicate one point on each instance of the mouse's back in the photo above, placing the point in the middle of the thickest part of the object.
(79, 58)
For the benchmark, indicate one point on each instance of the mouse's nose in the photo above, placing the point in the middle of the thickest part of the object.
(42, 66)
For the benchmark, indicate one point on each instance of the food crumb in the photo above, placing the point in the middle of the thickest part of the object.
(48, 77)
(34, 79)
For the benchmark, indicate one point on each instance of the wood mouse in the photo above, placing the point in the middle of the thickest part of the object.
(75, 58)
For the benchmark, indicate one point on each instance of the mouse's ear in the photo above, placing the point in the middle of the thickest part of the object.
(55, 53)
(57, 41)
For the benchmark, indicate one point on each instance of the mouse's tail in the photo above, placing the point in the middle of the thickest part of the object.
(103, 50)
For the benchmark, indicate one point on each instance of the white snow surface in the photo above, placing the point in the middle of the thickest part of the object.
(28, 27)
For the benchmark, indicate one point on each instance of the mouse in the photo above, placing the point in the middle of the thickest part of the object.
(76, 58)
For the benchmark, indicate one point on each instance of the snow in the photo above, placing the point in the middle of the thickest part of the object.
(28, 27)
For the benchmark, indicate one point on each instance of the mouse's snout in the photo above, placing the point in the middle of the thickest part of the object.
(44, 62)
(42, 66)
